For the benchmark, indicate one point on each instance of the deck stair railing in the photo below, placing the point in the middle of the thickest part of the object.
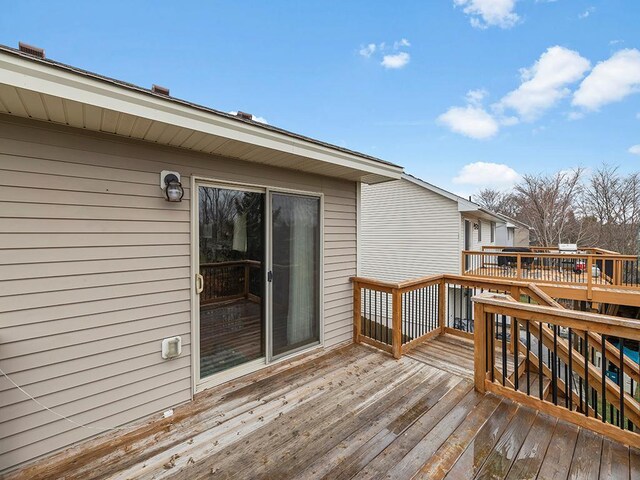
(553, 361)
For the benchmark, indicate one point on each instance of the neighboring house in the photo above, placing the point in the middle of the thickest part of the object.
(410, 228)
(116, 303)
(512, 233)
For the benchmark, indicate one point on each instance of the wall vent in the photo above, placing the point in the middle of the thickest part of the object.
(31, 50)
(160, 90)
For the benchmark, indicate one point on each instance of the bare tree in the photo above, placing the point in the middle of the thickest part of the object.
(613, 201)
(498, 201)
(547, 204)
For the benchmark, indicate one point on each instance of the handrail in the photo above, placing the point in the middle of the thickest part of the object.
(579, 354)
(537, 248)
(606, 324)
(568, 255)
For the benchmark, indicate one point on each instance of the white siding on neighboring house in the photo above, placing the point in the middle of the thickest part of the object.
(95, 271)
(407, 231)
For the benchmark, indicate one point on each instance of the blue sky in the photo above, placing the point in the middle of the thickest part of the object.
(463, 93)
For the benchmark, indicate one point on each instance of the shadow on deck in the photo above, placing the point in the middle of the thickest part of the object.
(351, 413)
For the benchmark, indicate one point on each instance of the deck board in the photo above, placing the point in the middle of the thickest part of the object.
(350, 413)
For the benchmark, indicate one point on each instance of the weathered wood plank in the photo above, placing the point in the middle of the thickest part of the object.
(534, 448)
(473, 458)
(634, 464)
(586, 457)
(449, 390)
(614, 463)
(506, 449)
(412, 461)
(557, 461)
(448, 413)
(445, 457)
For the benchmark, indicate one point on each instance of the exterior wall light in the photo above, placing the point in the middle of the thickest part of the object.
(170, 184)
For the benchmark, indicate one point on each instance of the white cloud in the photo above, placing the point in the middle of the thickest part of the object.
(390, 56)
(610, 81)
(397, 60)
(253, 117)
(403, 42)
(635, 150)
(489, 13)
(545, 82)
(587, 12)
(475, 97)
(471, 121)
(367, 50)
(575, 115)
(497, 175)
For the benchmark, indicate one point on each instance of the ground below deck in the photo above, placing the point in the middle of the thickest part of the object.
(352, 413)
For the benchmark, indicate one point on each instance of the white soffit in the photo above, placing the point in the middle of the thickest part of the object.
(36, 89)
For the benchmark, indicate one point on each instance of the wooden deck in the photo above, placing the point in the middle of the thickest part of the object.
(351, 413)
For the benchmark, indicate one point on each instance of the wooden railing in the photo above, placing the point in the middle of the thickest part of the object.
(574, 365)
(587, 270)
(395, 317)
(230, 280)
(533, 248)
(543, 355)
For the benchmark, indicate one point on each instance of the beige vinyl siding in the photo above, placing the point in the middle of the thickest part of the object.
(95, 271)
(485, 225)
(407, 231)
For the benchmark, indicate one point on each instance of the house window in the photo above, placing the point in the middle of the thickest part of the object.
(479, 231)
(493, 232)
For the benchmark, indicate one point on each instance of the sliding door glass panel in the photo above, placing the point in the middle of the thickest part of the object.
(231, 255)
(296, 272)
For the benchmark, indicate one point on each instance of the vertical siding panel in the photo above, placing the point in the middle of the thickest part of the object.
(408, 231)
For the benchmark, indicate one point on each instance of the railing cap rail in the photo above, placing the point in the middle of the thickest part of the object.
(446, 277)
(541, 248)
(597, 256)
(607, 322)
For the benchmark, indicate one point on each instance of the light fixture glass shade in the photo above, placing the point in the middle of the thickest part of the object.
(174, 191)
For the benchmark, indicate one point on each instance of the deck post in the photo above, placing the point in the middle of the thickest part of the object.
(357, 314)
(442, 305)
(589, 273)
(479, 347)
(396, 322)
(518, 268)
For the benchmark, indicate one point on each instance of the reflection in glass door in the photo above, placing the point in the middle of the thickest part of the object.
(231, 259)
(295, 246)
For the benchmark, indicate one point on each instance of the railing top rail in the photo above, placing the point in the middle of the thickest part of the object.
(448, 278)
(597, 256)
(538, 248)
(597, 323)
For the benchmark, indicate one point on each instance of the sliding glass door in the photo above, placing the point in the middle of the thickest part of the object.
(259, 277)
(295, 245)
(231, 259)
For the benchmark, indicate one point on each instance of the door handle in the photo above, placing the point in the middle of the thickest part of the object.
(269, 276)
(199, 283)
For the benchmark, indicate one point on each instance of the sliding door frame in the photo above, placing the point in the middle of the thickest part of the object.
(198, 384)
(271, 358)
